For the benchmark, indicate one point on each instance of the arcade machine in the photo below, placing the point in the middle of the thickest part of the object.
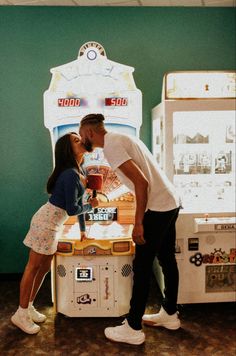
(194, 142)
(94, 277)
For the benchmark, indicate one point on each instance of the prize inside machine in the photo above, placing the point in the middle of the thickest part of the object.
(194, 143)
(94, 277)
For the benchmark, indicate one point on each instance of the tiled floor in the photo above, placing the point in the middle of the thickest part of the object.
(207, 330)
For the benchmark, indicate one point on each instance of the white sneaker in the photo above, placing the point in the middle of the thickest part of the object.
(35, 315)
(171, 322)
(24, 322)
(124, 333)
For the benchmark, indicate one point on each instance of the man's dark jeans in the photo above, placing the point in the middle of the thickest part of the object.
(160, 236)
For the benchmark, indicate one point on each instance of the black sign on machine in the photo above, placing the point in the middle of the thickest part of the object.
(102, 214)
(84, 274)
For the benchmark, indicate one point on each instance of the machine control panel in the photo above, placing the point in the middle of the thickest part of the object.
(215, 224)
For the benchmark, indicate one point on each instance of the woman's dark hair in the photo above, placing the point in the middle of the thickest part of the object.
(64, 159)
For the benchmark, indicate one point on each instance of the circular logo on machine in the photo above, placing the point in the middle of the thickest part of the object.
(91, 50)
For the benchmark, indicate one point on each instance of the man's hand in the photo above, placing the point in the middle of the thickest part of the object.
(137, 234)
(134, 173)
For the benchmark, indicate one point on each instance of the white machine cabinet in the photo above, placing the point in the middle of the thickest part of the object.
(206, 256)
(94, 278)
(194, 142)
(93, 285)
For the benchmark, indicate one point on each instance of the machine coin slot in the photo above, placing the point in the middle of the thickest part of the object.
(193, 244)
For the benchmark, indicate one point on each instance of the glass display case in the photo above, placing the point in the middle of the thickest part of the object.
(194, 138)
(204, 159)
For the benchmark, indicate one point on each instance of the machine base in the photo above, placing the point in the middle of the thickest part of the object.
(92, 286)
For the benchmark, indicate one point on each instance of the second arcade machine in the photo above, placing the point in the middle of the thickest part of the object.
(194, 142)
(94, 277)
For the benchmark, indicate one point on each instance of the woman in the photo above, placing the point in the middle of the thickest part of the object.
(66, 198)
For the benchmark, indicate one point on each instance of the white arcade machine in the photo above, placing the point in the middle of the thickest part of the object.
(94, 278)
(194, 142)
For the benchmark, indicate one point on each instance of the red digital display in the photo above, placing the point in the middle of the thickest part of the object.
(68, 102)
(116, 101)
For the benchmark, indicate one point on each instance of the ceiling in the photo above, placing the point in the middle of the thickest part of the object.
(201, 3)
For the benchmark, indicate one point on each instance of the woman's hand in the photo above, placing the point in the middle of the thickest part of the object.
(84, 237)
(94, 202)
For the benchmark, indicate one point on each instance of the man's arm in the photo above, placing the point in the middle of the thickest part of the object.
(133, 172)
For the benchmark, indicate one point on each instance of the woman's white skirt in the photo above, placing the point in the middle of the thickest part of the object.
(45, 228)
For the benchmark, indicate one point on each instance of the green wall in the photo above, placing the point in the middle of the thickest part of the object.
(35, 39)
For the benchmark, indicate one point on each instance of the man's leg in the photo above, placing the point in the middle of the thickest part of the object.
(167, 316)
(131, 329)
(142, 268)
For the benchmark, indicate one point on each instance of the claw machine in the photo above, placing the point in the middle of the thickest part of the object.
(194, 142)
(94, 277)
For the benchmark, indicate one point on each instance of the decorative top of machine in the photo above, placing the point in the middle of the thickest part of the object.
(91, 50)
(199, 85)
(92, 62)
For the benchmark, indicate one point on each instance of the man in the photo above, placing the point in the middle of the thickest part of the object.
(157, 208)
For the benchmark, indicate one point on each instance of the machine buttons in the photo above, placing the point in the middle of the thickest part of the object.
(196, 259)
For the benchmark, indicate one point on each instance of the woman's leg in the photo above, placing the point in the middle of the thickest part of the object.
(44, 269)
(22, 318)
(34, 264)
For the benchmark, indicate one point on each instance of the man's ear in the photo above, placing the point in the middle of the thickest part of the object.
(90, 133)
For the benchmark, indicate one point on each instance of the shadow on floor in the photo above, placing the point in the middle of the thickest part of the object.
(207, 330)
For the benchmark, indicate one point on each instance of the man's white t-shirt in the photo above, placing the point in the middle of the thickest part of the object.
(119, 148)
